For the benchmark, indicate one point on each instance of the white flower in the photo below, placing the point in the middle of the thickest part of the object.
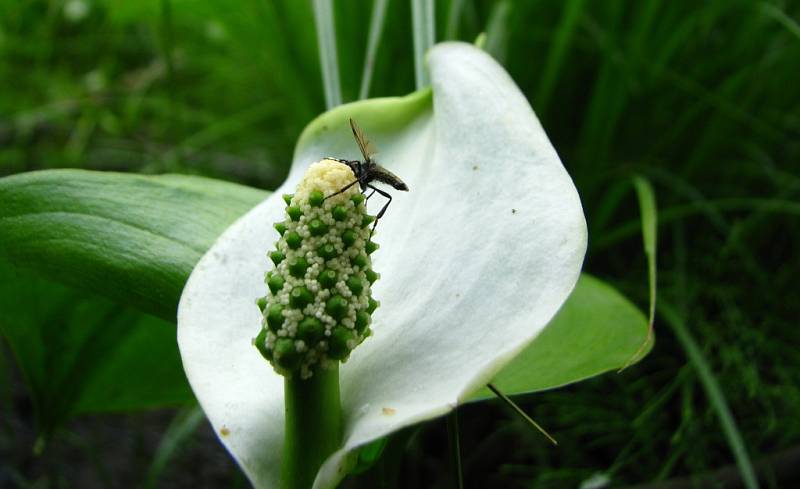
(475, 260)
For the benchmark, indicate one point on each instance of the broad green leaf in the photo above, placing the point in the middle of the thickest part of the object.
(596, 330)
(131, 238)
(80, 354)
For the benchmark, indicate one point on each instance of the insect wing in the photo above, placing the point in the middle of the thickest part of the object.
(367, 149)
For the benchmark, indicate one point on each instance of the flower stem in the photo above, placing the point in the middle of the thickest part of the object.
(313, 426)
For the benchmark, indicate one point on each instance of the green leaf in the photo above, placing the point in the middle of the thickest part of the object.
(80, 354)
(131, 238)
(596, 330)
(369, 454)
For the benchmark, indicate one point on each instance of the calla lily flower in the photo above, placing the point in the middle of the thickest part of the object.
(475, 261)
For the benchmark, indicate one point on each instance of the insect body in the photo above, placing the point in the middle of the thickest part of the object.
(369, 171)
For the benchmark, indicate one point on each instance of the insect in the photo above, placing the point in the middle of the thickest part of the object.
(369, 171)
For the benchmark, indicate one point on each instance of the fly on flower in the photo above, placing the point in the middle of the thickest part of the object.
(368, 171)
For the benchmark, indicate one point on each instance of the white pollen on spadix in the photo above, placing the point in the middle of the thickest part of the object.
(329, 177)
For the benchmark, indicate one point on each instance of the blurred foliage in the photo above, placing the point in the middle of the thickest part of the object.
(81, 354)
(700, 98)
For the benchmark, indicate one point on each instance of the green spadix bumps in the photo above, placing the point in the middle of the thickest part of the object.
(318, 302)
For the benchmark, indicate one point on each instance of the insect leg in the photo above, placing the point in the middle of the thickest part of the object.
(346, 162)
(342, 190)
(370, 194)
(383, 209)
(386, 205)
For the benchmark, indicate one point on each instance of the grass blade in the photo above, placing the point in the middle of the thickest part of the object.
(561, 41)
(180, 430)
(649, 224)
(454, 19)
(647, 207)
(329, 63)
(683, 211)
(780, 16)
(497, 31)
(715, 395)
(423, 23)
(376, 24)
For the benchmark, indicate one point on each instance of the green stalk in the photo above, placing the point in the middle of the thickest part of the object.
(313, 426)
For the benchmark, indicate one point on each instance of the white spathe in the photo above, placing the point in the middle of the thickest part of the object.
(475, 261)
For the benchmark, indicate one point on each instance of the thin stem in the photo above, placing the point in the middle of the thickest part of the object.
(329, 63)
(455, 449)
(373, 40)
(423, 20)
(313, 426)
(522, 413)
